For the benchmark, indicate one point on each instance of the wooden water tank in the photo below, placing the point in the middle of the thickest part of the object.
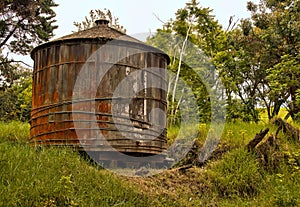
(57, 65)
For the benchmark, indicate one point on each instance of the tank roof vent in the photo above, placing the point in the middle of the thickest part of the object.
(102, 22)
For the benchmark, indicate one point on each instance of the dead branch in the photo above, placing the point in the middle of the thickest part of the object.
(157, 17)
(287, 129)
(15, 61)
(182, 168)
(257, 139)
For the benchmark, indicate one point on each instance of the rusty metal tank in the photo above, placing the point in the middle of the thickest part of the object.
(57, 66)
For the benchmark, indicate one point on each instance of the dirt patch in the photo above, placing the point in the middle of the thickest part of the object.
(174, 184)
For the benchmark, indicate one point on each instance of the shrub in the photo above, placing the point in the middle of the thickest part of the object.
(237, 174)
(15, 102)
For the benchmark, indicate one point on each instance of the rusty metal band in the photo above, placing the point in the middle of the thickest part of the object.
(160, 136)
(93, 114)
(95, 139)
(69, 143)
(50, 106)
(103, 62)
(155, 133)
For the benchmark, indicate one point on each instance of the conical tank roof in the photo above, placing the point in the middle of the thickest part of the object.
(101, 31)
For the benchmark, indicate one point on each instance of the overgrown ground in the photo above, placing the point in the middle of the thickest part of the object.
(60, 177)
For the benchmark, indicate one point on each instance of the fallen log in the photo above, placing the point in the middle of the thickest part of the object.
(257, 139)
(287, 129)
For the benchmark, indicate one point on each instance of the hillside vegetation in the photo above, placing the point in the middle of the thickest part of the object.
(52, 176)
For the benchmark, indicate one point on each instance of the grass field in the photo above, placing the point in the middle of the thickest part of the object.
(60, 177)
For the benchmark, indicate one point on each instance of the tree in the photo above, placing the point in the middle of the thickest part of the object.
(23, 25)
(195, 38)
(99, 14)
(260, 64)
(15, 102)
(280, 25)
(240, 65)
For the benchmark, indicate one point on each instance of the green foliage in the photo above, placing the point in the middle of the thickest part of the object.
(292, 159)
(16, 101)
(283, 196)
(26, 23)
(60, 177)
(237, 175)
(260, 63)
(284, 187)
(23, 25)
(239, 133)
(287, 83)
(205, 30)
(241, 72)
(14, 131)
(191, 40)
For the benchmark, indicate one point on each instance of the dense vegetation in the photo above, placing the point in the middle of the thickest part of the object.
(34, 176)
(23, 25)
(256, 59)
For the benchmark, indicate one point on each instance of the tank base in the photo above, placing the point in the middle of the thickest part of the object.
(115, 160)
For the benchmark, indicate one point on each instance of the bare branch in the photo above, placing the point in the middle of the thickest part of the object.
(231, 25)
(11, 33)
(159, 19)
(235, 23)
(179, 69)
(15, 61)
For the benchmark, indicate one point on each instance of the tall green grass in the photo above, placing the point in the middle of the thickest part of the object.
(14, 131)
(60, 177)
(234, 133)
(55, 176)
(240, 133)
(237, 175)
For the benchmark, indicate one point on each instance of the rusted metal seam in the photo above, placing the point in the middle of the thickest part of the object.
(151, 133)
(77, 141)
(50, 106)
(96, 114)
(84, 62)
(103, 129)
(153, 148)
(100, 122)
(96, 121)
(94, 140)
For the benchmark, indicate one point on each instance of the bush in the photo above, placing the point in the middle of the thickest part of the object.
(237, 174)
(15, 102)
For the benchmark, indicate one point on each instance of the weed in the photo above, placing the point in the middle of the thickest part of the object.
(237, 174)
(14, 131)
